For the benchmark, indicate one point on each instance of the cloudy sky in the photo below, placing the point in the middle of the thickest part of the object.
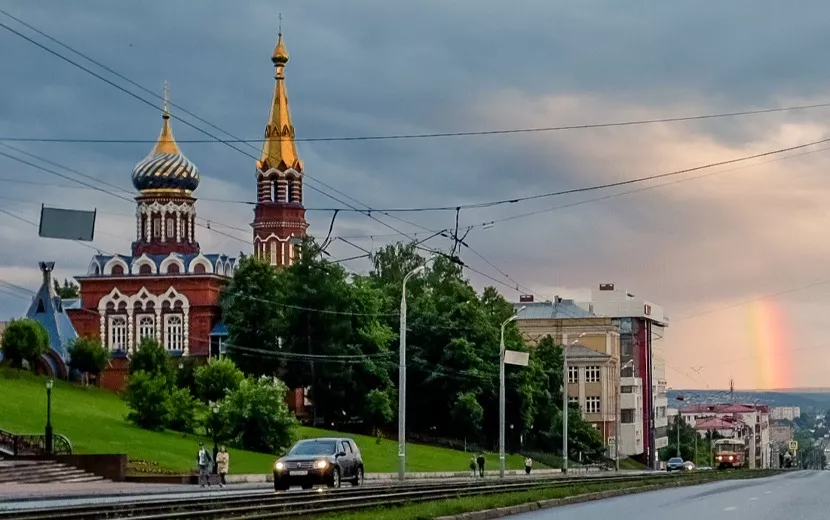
(708, 249)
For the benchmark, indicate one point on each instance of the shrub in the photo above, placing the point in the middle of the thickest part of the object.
(87, 355)
(216, 379)
(150, 357)
(24, 340)
(256, 417)
(146, 396)
(180, 407)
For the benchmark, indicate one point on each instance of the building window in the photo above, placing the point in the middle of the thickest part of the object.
(592, 405)
(573, 400)
(173, 332)
(146, 327)
(592, 374)
(171, 227)
(626, 389)
(118, 333)
(173, 268)
(273, 252)
(117, 270)
(145, 269)
(573, 374)
(627, 416)
(199, 268)
(157, 227)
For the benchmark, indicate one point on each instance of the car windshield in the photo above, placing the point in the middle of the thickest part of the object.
(675, 460)
(314, 448)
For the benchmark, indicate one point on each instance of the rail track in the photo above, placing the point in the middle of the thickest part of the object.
(267, 504)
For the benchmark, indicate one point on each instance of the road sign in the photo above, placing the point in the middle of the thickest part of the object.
(793, 445)
(514, 357)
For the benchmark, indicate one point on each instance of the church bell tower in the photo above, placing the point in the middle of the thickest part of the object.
(279, 216)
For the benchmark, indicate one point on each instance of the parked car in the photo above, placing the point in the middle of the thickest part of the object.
(327, 461)
(688, 465)
(675, 464)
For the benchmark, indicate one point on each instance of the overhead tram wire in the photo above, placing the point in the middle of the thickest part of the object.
(151, 104)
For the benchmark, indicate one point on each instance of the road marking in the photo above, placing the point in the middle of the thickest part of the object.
(754, 498)
(730, 508)
(767, 492)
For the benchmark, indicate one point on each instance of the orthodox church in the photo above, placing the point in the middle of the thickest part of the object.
(167, 288)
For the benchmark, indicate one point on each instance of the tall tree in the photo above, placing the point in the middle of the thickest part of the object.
(67, 291)
(88, 356)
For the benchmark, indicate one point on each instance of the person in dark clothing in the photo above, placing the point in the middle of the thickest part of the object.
(528, 465)
(480, 461)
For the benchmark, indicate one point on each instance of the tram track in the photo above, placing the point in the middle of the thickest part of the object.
(267, 504)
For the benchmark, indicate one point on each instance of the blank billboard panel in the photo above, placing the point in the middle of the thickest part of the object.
(68, 224)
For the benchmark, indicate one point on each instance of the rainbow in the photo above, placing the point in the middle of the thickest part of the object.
(767, 338)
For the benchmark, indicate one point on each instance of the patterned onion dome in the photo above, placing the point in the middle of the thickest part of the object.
(166, 168)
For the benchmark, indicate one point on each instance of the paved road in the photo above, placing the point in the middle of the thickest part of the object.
(803, 495)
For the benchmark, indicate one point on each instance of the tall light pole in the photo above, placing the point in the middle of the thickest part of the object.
(402, 373)
(502, 391)
(565, 404)
(48, 439)
(628, 364)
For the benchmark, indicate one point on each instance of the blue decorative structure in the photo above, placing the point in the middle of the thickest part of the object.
(48, 309)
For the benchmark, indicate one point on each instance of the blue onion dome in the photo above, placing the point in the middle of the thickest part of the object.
(166, 168)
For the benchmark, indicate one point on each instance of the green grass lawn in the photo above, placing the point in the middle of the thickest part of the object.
(94, 421)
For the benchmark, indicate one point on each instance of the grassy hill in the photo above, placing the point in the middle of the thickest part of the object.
(94, 421)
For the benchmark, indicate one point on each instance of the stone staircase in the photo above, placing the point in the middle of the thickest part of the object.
(42, 471)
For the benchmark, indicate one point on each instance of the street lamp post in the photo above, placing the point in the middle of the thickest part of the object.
(215, 411)
(48, 432)
(565, 404)
(402, 373)
(502, 390)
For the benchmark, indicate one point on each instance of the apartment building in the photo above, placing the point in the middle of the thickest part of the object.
(592, 384)
(785, 413)
(752, 422)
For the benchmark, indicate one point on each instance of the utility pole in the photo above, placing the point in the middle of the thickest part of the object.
(502, 392)
(565, 403)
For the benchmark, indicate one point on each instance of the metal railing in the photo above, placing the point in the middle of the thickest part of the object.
(29, 445)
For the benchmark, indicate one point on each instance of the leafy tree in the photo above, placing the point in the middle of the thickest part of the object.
(180, 410)
(378, 409)
(185, 369)
(216, 379)
(151, 357)
(252, 311)
(24, 340)
(67, 291)
(255, 416)
(468, 415)
(88, 356)
(146, 395)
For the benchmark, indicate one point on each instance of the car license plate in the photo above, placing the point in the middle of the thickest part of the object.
(298, 473)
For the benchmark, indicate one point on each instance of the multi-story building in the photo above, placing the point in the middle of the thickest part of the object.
(781, 434)
(755, 417)
(593, 357)
(642, 328)
(785, 413)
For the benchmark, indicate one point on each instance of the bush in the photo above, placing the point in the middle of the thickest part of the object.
(180, 409)
(378, 408)
(255, 416)
(146, 396)
(87, 355)
(185, 369)
(24, 340)
(467, 414)
(216, 379)
(150, 357)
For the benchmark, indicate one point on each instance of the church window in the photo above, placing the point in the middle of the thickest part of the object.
(118, 333)
(117, 270)
(157, 227)
(290, 191)
(171, 227)
(273, 252)
(173, 332)
(145, 269)
(40, 308)
(146, 327)
(273, 185)
(173, 268)
(199, 268)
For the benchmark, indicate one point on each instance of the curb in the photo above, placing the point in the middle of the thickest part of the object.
(502, 512)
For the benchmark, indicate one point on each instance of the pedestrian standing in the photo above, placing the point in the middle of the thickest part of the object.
(528, 464)
(480, 461)
(204, 460)
(222, 464)
(473, 467)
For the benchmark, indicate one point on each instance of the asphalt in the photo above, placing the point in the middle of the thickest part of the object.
(802, 495)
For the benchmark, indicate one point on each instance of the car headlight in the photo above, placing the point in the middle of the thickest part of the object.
(279, 466)
(321, 464)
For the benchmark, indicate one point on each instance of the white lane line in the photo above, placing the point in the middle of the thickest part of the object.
(754, 498)
(767, 492)
(730, 508)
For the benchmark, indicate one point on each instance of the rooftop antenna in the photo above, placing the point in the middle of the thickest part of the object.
(731, 390)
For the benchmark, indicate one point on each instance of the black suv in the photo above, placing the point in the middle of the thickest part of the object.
(327, 461)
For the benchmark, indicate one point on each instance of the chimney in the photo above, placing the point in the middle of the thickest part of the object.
(46, 268)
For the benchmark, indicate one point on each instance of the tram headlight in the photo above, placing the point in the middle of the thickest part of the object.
(731, 458)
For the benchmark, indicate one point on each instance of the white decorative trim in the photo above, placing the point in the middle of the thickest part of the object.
(172, 258)
(273, 235)
(142, 260)
(92, 265)
(273, 172)
(143, 297)
(116, 260)
(200, 259)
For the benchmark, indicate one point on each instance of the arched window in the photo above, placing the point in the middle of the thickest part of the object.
(290, 191)
(146, 327)
(273, 185)
(145, 269)
(97, 269)
(118, 333)
(157, 227)
(173, 332)
(199, 268)
(173, 268)
(117, 270)
(171, 227)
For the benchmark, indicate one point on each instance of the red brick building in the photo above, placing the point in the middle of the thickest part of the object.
(166, 288)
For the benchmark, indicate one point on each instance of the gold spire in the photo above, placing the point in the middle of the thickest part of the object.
(279, 149)
(166, 142)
